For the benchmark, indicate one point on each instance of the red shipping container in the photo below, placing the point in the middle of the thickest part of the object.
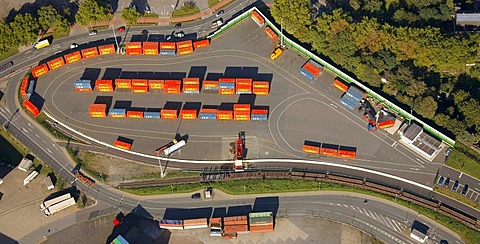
(191, 81)
(260, 91)
(106, 49)
(226, 91)
(98, 110)
(139, 82)
(239, 89)
(184, 44)
(83, 89)
(191, 88)
(72, 57)
(224, 115)
(210, 84)
(39, 70)
(271, 33)
(172, 87)
(329, 151)
(241, 107)
(56, 63)
(226, 80)
(31, 107)
(241, 115)
(140, 89)
(340, 85)
(201, 43)
(243, 82)
(168, 113)
(386, 124)
(188, 114)
(261, 228)
(311, 149)
(259, 111)
(122, 145)
(90, 52)
(257, 17)
(183, 51)
(123, 83)
(155, 84)
(135, 114)
(150, 48)
(133, 52)
(346, 154)
(133, 45)
(167, 45)
(312, 69)
(261, 84)
(208, 110)
(24, 87)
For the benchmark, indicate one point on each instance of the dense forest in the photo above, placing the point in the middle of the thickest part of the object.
(406, 50)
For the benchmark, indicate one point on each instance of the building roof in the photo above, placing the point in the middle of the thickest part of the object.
(427, 143)
(468, 18)
(412, 131)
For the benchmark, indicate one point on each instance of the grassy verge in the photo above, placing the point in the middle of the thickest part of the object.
(8, 54)
(100, 27)
(151, 15)
(212, 2)
(465, 159)
(171, 174)
(85, 164)
(41, 119)
(457, 197)
(57, 35)
(185, 11)
(145, 24)
(253, 186)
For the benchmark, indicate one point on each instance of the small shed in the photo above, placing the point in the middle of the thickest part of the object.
(25, 164)
(48, 183)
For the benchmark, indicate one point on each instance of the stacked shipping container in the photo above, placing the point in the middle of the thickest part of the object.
(340, 85)
(261, 222)
(311, 69)
(352, 97)
(210, 85)
(106, 49)
(56, 63)
(261, 87)
(83, 85)
(226, 86)
(139, 86)
(133, 48)
(117, 113)
(123, 83)
(90, 52)
(72, 57)
(122, 145)
(185, 47)
(39, 70)
(150, 48)
(169, 113)
(208, 113)
(155, 84)
(191, 85)
(98, 110)
(271, 34)
(167, 48)
(257, 18)
(24, 87)
(243, 86)
(201, 43)
(31, 107)
(241, 111)
(172, 87)
(235, 224)
(329, 149)
(104, 85)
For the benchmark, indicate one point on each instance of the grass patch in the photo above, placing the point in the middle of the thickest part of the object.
(57, 35)
(465, 159)
(185, 11)
(41, 119)
(100, 27)
(254, 186)
(9, 53)
(145, 24)
(171, 174)
(85, 164)
(457, 196)
(212, 2)
(150, 15)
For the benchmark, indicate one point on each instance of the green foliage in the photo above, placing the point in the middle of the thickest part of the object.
(8, 40)
(47, 16)
(62, 28)
(25, 28)
(185, 11)
(296, 15)
(92, 11)
(425, 106)
(130, 15)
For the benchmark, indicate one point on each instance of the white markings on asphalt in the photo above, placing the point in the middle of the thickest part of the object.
(30, 125)
(394, 144)
(44, 141)
(37, 135)
(414, 169)
(339, 204)
(49, 150)
(476, 197)
(345, 205)
(333, 105)
(461, 173)
(24, 130)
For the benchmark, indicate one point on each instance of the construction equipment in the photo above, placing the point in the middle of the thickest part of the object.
(161, 149)
(239, 152)
(276, 53)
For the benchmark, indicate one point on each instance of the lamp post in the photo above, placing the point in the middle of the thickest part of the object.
(115, 37)
(162, 175)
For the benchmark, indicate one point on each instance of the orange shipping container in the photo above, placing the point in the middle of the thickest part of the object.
(167, 45)
(235, 228)
(106, 49)
(172, 90)
(39, 70)
(133, 45)
(347, 153)
(210, 84)
(312, 69)
(243, 82)
(96, 107)
(201, 43)
(24, 87)
(83, 89)
(184, 44)
(241, 107)
(31, 107)
(208, 110)
(241, 115)
(340, 85)
(191, 88)
(260, 91)
(224, 115)
(169, 113)
(261, 228)
(311, 149)
(140, 89)
(226, 91)
(72, 57)
(150, 48)
(242, 89)
(105, 89)
(155, 84)
(191, 81)
(183, 51)
(134, 114)
(226, 80)
(261, 84)
(271, 33)
(257, 17)
(104, 83)
(118, 116)
(123, 83)
(139, 82)
(122, 145)
(56, 63)
(90, 52)
(137, 51)
(188, 114)
(331, 150)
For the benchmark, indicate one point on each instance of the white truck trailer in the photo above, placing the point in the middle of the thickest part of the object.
(59, 206)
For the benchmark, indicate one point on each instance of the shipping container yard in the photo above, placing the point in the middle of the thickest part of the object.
(210, 90)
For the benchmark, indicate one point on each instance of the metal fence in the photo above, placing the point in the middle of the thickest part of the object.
(336, 71)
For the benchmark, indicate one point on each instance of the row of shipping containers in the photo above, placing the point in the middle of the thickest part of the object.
(311, 69)
(224, 86)
(351, 98)
(27, 88)
(164, 48)
(71, 58)
(239, 112)
(228, 227)
(329, 149)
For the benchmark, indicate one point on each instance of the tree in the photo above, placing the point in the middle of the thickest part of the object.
(62, 26)
(460, 96)
(295, 14)
(130, 15)
(47, 16)
(416, 88)
(91, 11)
(426, 107)
(25, 28)
(7, 39)
(372, 6)
(471, 110)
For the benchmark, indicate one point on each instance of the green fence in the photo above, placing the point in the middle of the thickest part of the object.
(339, 73)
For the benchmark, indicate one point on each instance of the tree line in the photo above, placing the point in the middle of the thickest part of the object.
(404, 49)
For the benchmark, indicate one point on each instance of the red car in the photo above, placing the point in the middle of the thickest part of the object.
(121, 28)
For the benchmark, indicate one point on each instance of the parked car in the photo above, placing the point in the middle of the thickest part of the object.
(217, 23)
(455, 186)
(441, 180)
(196, 195)
(121, 28)
(178, 25)
(179, 34)
(73, 45)
(219, 13)
(465, 189)
(448, 151)
(443, 242)
(168, 37)
(209, 192)
(447, 182)
(92, 33)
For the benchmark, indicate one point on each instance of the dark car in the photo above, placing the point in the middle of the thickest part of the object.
(144, 32)
(178, 25)
(447, 182)
(76, 169)
(455, 186)
(465, 189)
(441, 180)
(121, 29)
(443, 242)
(196, 196)
(219, 13)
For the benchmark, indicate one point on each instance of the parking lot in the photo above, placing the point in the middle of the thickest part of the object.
(300, 109)
(460, 183)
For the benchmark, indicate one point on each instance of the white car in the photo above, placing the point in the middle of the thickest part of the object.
(92, 33)
(73, 45)
(217, 23)
(1, 181)
(219, 13)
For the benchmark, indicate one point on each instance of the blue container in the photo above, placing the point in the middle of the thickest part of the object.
(151, 115)
(117, 111)
(191, 92)
(259, 117)
(209, 116)
(316, 64)
(168, 52)
(349, 101)
(355, 92)
(243, 92)
(226, 85)
(210, 88)
(307, 74)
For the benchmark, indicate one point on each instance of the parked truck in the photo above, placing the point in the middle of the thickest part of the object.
(42, 44)
(54, 201)
(59, 206)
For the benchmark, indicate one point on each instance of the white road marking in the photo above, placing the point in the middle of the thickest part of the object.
(37, 136)
(414, 169)
(461, 173)
(49, 150)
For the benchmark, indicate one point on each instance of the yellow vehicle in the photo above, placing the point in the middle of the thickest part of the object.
(276, 53)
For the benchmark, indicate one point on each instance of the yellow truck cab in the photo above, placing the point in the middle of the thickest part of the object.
(276, 53)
